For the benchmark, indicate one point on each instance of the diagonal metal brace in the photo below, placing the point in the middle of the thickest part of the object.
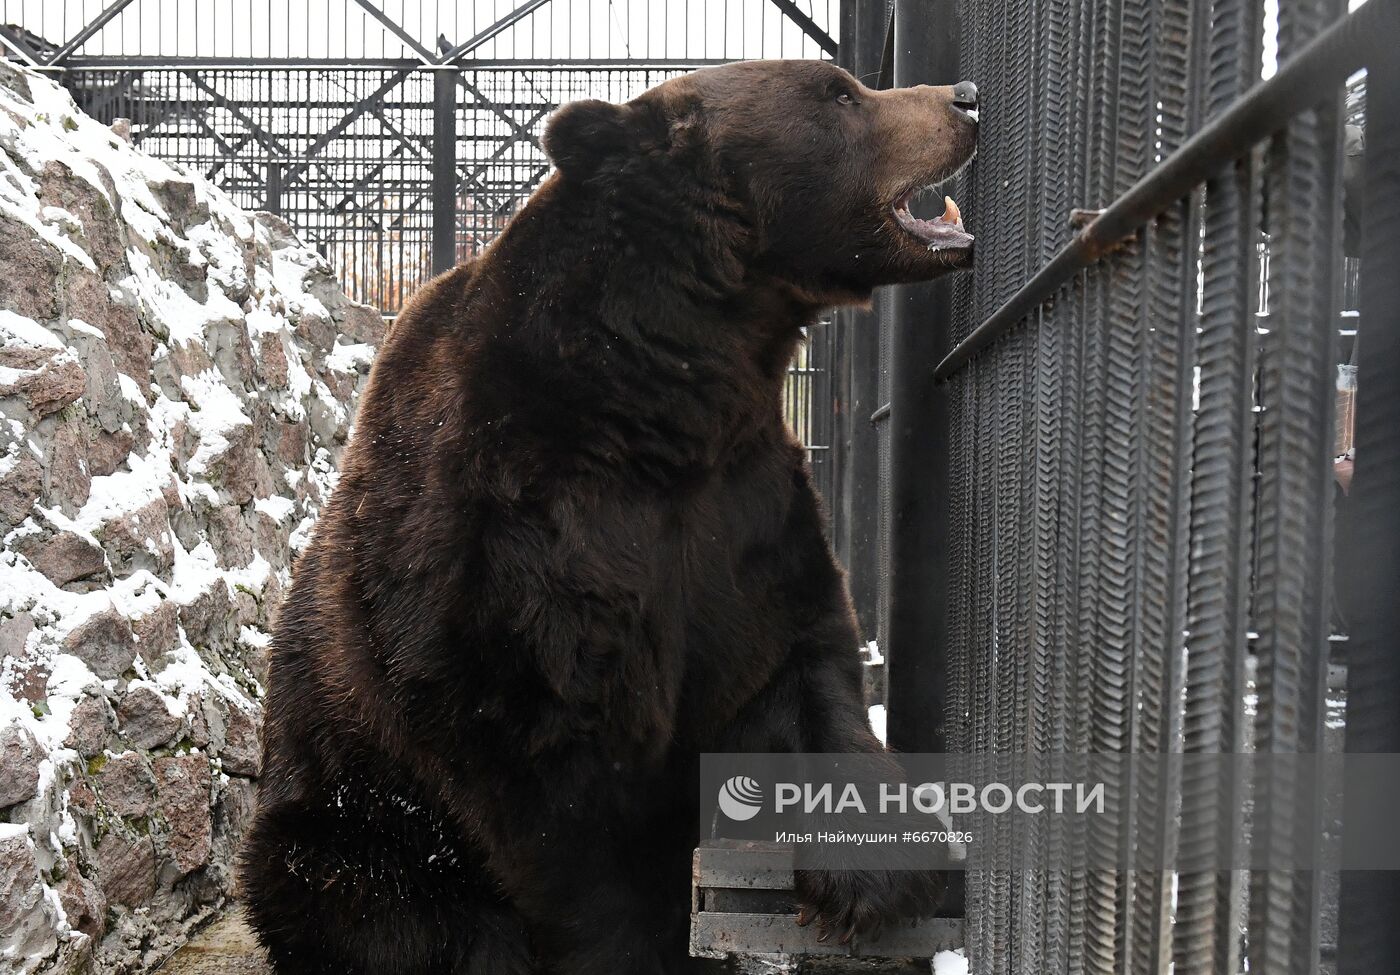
(84, 35)
(808, 25)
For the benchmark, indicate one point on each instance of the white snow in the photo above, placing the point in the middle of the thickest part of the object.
(877, 723)
(18, 330)
(950, 963)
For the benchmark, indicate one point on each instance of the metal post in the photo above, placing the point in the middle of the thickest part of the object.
(1370, 939)
(272, 199)
(855, 371)
(925, 51)
(444, 170)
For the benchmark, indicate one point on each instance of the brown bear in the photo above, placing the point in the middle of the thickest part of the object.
(574, 544)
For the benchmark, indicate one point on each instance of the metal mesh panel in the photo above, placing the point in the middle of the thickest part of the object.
(1142, 475)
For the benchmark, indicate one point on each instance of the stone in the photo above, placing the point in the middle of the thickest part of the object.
(180, 201)
(242, 753)
(206, 618)
(234, 811)
(29, 679)
(184, 784)
(235, 468)
(144, 720)
(361, 323)
(49, 388)
(20, 757)
(81, 796)
(127, 868)
(88, 298)
(101, 234)
(104, 642)
(69, 480)
(31, 266)
(233, 352)
(140, 540)
(108, 451)
(90, 726)
(292, 444)
(14, 635)
(157, 632)
(103, 398)
(127, 786)
(26, 919)
(270, 362)
(84, 904)
(21, 481)
(316, 331)
(231, 536)
(64, 557)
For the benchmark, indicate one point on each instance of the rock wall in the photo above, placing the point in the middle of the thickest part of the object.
(176, 382)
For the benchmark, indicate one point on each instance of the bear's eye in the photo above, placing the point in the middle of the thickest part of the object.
(845, 98)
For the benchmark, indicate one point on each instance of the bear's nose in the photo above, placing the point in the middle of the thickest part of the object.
(965, 96)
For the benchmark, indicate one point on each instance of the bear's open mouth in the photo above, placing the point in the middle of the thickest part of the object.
(944, 233)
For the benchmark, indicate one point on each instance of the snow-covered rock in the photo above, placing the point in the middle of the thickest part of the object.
(176, 384)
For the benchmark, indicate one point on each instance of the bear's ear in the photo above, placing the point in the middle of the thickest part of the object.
(582, 136)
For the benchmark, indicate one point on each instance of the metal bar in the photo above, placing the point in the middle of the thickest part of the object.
(500, 26)
(307, 156)
(269, 141)
(926, 42)
(1295, 492)
(82, 37)
(445, 179)
(855, 373)
(119, 62)
(16, 45)
(398, 31)
(1370, 938)
(482, 101)
(808, 25)
(1326, 61)
(272, 199)
(1206, 934)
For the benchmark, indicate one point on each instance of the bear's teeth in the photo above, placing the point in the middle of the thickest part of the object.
(951, 214)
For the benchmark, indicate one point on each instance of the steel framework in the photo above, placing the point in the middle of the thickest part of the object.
(396, 136)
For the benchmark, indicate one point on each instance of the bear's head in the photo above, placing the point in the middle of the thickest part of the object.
(808, 169)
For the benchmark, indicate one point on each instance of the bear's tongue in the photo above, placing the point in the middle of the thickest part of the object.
(941, 234)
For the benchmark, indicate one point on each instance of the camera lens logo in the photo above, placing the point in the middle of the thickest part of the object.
(740, 798)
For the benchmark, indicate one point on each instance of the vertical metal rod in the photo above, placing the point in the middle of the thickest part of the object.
(855, 440)
(272, 201)
(444, 170)
(1370, 938)
(925, 51)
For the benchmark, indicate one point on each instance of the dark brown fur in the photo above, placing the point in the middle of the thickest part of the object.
(574, 545)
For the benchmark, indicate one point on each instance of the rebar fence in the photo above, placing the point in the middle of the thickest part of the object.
(1146, 525)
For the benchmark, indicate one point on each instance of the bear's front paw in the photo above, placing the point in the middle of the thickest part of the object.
(863, 902)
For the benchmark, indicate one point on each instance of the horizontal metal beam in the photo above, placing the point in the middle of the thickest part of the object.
(126, 62)
(1305, 80)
